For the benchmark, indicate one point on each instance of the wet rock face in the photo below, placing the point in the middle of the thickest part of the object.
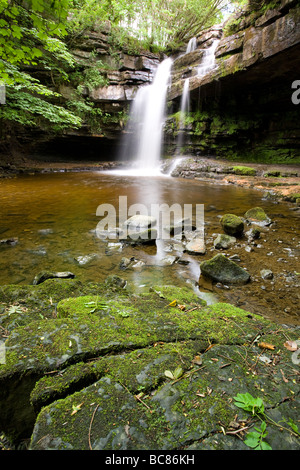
(255, 48)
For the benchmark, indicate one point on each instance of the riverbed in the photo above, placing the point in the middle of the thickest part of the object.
(51, 220)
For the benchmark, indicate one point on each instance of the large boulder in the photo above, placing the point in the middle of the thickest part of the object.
(221, 269)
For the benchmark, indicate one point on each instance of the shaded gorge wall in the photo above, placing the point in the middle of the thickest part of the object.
(243, 109)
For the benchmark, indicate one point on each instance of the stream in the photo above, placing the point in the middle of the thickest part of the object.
(52, 218)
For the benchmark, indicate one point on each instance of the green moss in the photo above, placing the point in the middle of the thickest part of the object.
(294, 197)
(244, 170)
(257, 213)
(232, 224)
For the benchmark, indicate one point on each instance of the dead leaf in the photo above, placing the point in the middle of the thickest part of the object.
(197, 360)
(291, 345)
(126, 428)
(283, 376)
(182, 307)
(266, 346)
(76, 408)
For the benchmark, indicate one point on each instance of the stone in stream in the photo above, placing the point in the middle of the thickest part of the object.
(44, 275)
(266, 274)
(232, 225)
(221, 269)
(126, 262)
(196, 246)
(86, 259)
(140, 230)
(224, 241)
(139, 221)
(9, 241)
(257, 216)
(74, 381)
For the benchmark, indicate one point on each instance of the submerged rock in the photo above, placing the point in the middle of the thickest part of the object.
(232, 225)
(86, 259)
(44, 275)
(196, 246)
(224, 241)
(140, 221)
(221, 269)
(9, 241)
(143, 236)
(266, 274)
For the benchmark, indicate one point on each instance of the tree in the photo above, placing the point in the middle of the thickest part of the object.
(155, 22)
(30, 39)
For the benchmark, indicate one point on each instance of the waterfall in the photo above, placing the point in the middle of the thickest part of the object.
(145, 127)
(208, 59)
(184, 109)
(192, 45)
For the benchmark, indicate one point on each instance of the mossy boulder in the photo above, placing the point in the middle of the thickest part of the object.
(232, 225)
(257, 216)
(221, 269)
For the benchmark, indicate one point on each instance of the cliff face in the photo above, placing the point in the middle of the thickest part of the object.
(243, 108)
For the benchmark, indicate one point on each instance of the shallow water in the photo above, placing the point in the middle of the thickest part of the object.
(54, 218)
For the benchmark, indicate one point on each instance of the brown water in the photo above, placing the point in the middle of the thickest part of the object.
(54, 218)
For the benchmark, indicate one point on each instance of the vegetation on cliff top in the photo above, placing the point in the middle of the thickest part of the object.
(35, 39)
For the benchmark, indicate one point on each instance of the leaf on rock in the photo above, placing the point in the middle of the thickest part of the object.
(291, 345)
(169, 374)
(76, 408)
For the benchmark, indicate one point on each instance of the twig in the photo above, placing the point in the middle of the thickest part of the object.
(238, 430)
(137, 398)
(145, 404)
(96, 408)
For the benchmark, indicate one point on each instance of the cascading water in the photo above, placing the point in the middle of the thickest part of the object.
(145, 127)
(208, 61)
(184, 110)
(192, 45)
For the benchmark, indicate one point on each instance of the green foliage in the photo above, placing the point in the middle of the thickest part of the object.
(248, 403)
(93, 78)
(156, 23)
(256, 407)
(85, 111)
(178, 372)
(30, 35)
(29, 110)
(28, 29)
(254, 439)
